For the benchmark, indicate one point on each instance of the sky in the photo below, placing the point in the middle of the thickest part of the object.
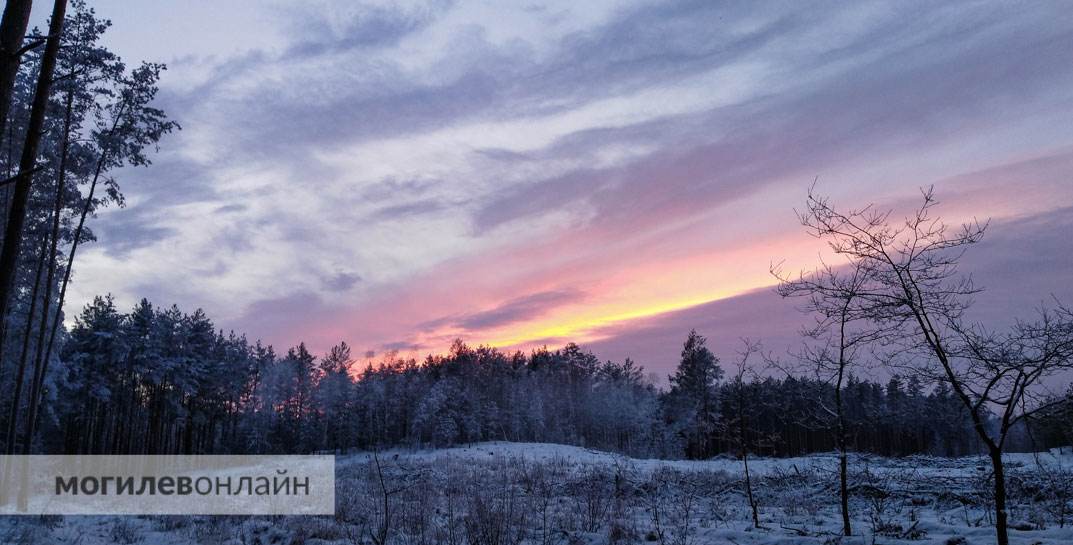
(397, 175)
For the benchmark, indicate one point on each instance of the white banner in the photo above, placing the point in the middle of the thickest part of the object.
(167, 485)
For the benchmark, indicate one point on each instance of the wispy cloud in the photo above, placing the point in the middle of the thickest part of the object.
(508, 312)
(383, 168)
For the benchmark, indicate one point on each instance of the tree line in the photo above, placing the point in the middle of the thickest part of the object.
(157, 380)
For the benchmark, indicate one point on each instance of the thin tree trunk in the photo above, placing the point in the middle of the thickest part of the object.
(931, 336)
(749, 490)
(1000, 495)
(39, 365)
(20, 373)
(17, 214)
(745, 454)
(13, 415)
(78, 238)
(35, 400)
(843, 463)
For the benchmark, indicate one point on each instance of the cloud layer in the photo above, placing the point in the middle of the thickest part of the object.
(396, 175)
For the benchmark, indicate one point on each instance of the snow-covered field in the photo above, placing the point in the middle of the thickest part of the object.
(512, 493)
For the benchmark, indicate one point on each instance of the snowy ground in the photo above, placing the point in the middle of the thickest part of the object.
(512, 493)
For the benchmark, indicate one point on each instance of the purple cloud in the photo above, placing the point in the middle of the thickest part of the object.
(515, 310)
(998, 264)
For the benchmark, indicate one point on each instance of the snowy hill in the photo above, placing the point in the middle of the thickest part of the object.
(537, 493)
(581, 456)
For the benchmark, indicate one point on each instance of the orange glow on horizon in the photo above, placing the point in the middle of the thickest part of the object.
(643, 291)
(624, 283)
(580, 329)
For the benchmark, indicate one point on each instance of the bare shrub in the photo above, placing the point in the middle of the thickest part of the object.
(797, 494)
(671, 502)
(170, 523)
(23, 532)
(450, 510)
(124, 531)
(542, 491)
(882, 506)
(592, 495)
(322, 528)
(494, 512)
(386, 502)
(621, 524)
(1047, 492)
(214, 529)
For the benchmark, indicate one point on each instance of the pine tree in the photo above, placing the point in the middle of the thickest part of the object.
(693, 397)
(333, 398)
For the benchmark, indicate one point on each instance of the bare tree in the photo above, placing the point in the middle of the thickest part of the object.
(841, 329)
(911, 284)
(385, 519)
(738, 428)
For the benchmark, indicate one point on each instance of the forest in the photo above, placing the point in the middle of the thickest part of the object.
(73, 113)
(159, 380)
(888, 365)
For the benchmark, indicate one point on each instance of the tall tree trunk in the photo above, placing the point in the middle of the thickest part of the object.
(57, 209)
(20, 373)
(17, 214)
(77, 237)
(12, 32)
(16, 399)
(36, 399)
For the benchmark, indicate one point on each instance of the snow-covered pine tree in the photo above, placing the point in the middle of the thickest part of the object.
(693, 399)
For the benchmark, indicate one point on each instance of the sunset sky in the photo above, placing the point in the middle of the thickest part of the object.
(397, 175)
